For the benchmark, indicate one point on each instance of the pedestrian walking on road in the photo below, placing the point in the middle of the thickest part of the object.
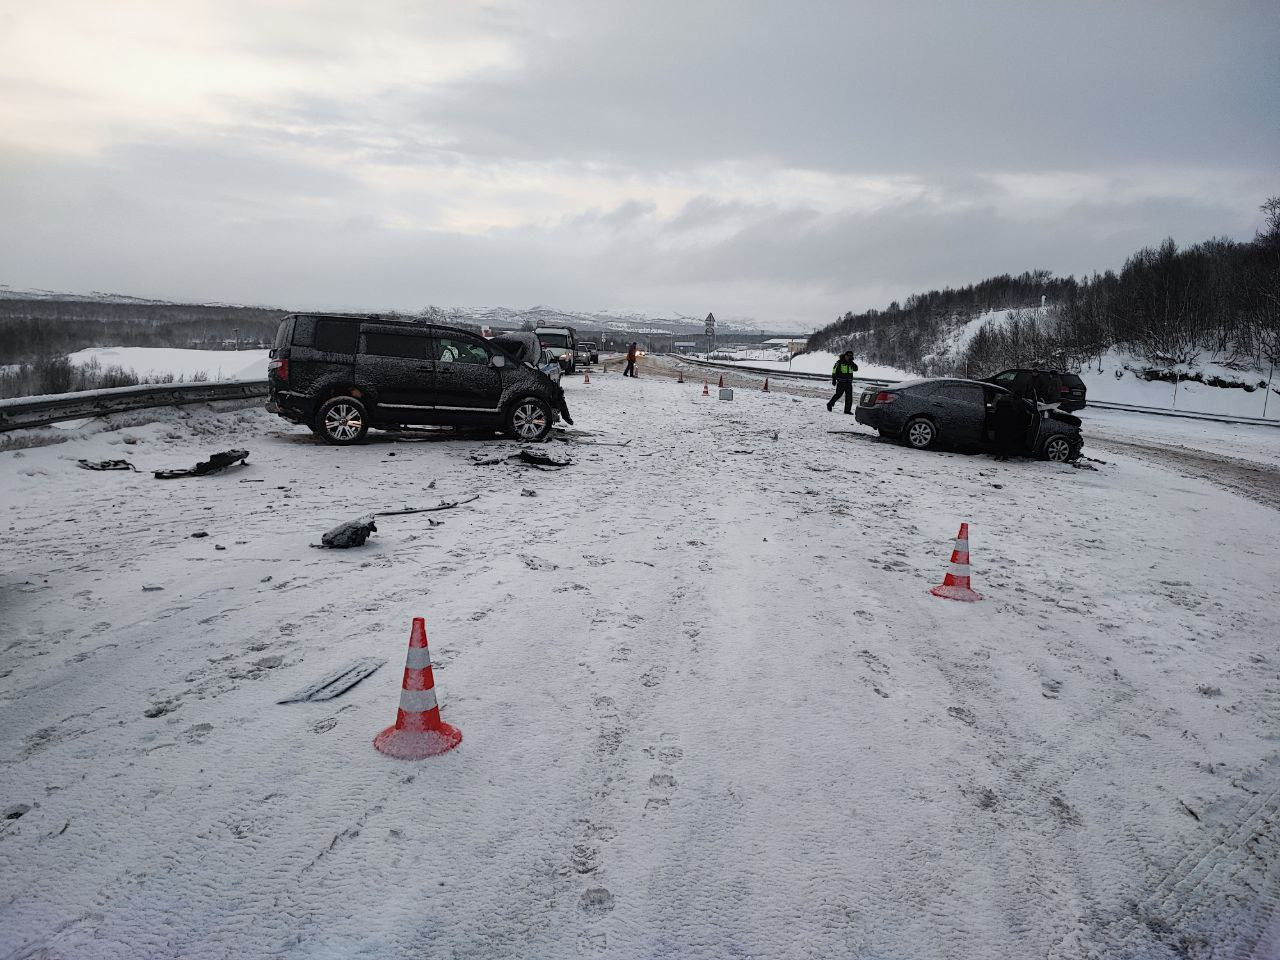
(842, 379)
(631, 361)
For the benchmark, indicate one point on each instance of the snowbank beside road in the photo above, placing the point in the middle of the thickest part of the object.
(1118, 383)
(154, 362)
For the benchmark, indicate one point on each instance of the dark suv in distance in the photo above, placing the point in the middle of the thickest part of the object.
(1067, 390)
(928, 413)
(341, 375)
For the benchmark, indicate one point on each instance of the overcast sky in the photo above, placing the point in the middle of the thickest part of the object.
(783, 161)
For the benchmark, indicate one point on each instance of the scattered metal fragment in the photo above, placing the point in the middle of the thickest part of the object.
(106, 465)
(219, 461)
(337, 683)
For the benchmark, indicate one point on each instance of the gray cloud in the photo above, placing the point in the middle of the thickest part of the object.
(675, 158)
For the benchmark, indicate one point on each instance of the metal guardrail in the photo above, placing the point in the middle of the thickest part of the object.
(1096, 404)
(23, 412)
(770, 372)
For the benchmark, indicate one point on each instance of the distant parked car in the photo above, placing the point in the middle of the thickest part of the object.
(341, 375)
(1067, 390)
(560, 343)
(525, 348)
(934, 412)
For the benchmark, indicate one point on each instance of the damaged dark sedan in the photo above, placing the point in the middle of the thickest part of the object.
(959, 413)
(341, 375)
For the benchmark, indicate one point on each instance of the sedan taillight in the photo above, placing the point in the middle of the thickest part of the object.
(884, 396)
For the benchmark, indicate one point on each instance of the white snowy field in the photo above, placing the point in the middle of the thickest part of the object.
(152, 362)
(709, 708)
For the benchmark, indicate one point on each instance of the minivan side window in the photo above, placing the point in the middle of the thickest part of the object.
(335, 336)
(454, 349)
(408, 346)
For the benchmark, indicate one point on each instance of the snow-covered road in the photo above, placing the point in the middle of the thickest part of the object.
(709, 708)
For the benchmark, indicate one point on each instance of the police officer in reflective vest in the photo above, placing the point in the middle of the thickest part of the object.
(842, 378)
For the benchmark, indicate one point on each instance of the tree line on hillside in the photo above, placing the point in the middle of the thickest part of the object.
(1167, 305)
(37, 329)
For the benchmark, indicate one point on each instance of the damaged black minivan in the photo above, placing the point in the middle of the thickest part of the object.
(341, 375)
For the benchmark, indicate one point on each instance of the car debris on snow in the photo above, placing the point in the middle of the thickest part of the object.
(106, 465)
(352, 533)
(442, 505)
(219, 461)
(539, 460)
(337, 683)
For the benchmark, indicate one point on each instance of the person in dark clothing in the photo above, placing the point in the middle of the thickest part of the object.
(842, 379)
(631, 361)
(1009, 425)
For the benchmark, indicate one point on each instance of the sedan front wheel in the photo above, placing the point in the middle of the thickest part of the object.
(1057, 450)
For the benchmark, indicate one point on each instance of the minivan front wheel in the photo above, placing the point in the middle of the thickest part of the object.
(529, 420)
(342, 421)
(920, 433)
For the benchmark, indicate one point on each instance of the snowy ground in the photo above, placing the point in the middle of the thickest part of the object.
(709, 708)
(152, 362)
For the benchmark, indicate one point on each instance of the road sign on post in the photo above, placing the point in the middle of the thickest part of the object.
(711, 331)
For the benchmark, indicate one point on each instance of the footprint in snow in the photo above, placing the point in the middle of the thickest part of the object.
(596, 901)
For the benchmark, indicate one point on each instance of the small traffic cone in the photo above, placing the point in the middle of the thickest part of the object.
(766, 384)
(721, 384)
(418, 731)
(586, 376)
(679, 376)
(705, 391)
(955, 586)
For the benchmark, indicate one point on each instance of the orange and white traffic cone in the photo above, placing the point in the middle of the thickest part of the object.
(418, 731)
(955, 586)
(766, 384)
(721, 384)
(705, 391)
(586, 376)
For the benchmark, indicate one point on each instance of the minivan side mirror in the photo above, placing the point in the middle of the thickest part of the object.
(498, 360)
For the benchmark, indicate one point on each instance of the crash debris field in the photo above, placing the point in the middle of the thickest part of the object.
(709, 707)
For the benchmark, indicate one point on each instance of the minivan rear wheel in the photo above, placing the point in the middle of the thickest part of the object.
(529, 419)
(341, 421)
(920, 433)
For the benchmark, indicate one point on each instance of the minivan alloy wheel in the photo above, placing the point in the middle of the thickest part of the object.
(1057, 450)
(343, 421)
(529, 420)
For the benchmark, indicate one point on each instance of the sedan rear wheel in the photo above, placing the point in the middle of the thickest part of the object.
(529, 420)
(921, 433)
(1057, 450)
